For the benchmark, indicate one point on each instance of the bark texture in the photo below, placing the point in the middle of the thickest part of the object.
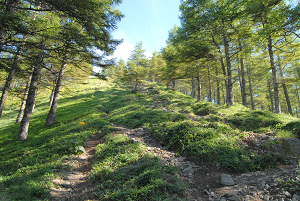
(274, 75)
(51, 115)
(230, 97)
(286, 93)
(10, 76)
(243, 80)
(22, 107)
(250, 88)
(30, 102)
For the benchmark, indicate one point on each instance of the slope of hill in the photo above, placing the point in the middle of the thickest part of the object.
(220, 138)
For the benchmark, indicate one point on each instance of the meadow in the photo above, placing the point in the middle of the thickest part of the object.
(202, 130)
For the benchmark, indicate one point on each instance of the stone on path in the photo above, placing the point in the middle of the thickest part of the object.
(227, 180)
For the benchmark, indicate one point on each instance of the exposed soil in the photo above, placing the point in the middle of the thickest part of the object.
(75, 183)
(203, 179)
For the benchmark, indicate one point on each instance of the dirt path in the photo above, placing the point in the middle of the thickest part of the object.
(204, 180)
(75, 183)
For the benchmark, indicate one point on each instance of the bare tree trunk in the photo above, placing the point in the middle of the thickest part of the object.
(230, 97)
(274, 74)
(243, 81)
(298, 98)
(271, 96)
(52, 112)
(51, 96)
(209, 84)
(21, 111)
(193, 93)
(223, 94)
(224, 73)
(250, 88)
(173, 84)
(136, 81)
(286, 94)
(199, 85)
(218, 87)
(10, 77)
(30, 102)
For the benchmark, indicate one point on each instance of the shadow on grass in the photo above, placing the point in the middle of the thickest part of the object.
(21, 163)
(254, 120)
(124, 172)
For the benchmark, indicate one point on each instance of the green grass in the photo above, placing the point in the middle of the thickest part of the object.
(123, 171)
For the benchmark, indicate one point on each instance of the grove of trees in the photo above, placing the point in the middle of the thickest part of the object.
(227, 52)
(224, 51)
(40, 40)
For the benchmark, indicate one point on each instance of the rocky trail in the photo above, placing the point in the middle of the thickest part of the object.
(205, 182)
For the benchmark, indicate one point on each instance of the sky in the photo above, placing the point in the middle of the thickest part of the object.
(148, 21)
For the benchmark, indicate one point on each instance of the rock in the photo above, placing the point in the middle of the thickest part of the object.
(287, 194)
(266, 198)
(66, 185)
(249, 198)
(234, 198)
(188, 171)
(296, 197)
(294, 145)
(227, 180)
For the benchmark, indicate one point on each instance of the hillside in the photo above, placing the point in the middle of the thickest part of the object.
(199, 140)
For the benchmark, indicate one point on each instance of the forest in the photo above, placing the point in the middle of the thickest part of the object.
(227, 52)
(221, 97)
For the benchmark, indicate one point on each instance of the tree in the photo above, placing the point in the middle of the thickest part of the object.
(137, 65)
(97, 19)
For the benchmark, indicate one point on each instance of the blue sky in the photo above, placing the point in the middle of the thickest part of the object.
(148, 21)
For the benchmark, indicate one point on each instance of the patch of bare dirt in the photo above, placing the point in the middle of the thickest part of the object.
(204, 180)
(75, 184)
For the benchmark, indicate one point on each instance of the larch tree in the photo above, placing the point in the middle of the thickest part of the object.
(137, 65)
(97, 18)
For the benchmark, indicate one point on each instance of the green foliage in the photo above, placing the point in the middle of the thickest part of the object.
(253, 120)
(204, 108)
(27, 168)
(124, 172)
(293, 126)
(215, 143)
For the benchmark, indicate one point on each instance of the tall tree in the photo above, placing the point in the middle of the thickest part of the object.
(137, 65)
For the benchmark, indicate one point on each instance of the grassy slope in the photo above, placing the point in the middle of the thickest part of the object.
(27, 168)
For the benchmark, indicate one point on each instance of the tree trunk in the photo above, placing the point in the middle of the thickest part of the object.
(271, 96)
(274, 74)
(21, 111)
(209, 84)
(51, 96)
(10, 78)
(199, 85)
(286, 94)
(224, 73)
(223, 94)
(173, 84)
(193, 93)
(230, 97)
(30, 102)
(243, 81)
(218, 87)
(250, 88)
(51, 115)
(297, 94)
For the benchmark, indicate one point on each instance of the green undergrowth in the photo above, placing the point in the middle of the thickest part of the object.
(202, 130)
(124, 172)
(28, 168)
